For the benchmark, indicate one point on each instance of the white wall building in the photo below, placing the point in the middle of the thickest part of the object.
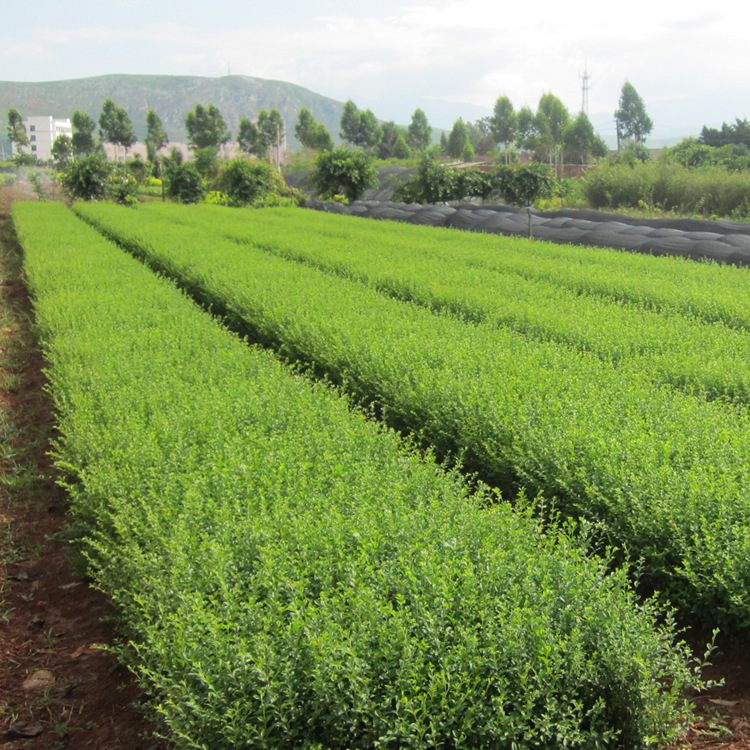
(42, 131)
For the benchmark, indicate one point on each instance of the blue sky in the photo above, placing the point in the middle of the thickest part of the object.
(452, 58)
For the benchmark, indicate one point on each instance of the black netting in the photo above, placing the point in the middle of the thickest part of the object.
(723, 241)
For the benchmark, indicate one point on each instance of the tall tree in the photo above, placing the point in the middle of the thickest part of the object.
(16, 129)
(631, 118)
(552, 118)
(581, 142)
(271, 129)
(480, 136)
(458, 139)
(360, 128)
(312, 134)
(526, 134)
(250, 139)
(62, 150)
(419, 132)
(206, 127)
(115, 126)
(504, 124)
(156, 136)
(391, 133)
(83, 134)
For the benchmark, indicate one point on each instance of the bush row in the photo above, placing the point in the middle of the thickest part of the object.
(670, 187)
(663, 475)
(288, 574)
(708, 359)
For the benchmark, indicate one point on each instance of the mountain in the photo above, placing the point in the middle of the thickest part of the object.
(172, 97)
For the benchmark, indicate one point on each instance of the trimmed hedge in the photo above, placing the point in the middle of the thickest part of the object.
(288, 574)
(664, 475)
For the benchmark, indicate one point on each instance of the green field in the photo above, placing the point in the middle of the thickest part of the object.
(291, 573)
(660, 472)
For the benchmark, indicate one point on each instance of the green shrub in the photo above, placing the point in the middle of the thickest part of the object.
(523, 184)
(86, 178)
(245, 182)
(184, 183)
(344, 171)
(668, 186)
(437, 183)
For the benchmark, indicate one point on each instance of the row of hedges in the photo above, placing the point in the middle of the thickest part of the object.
(413, 264)
(662, 474)
(670, 187)
(288, 574)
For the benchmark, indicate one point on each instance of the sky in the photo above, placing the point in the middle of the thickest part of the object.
(690, 63)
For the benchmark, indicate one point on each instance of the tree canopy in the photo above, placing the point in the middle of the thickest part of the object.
(631, 118)
(458, 141)
(264, 137)
(360, 127)
(504, 124)
(580, 141)
(156, 136)
(206, 127)
(16, 129)
(312, 134)
(83, 134)
(728, 135)
(419, 132)
(115, 126)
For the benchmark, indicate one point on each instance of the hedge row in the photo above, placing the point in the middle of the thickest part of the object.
(288, 574)
(705, 358)
(663, 475)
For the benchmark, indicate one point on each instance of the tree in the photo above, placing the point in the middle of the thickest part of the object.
(62, 150)
(312, 134)
(458, 139)
(250, 140)
(552, 118)
(17, 130)
(479, 134)
(580, 141)
(115, 126)
(729, 135)
(401, 148)
(419, 132)
(631, 118)
(391, 133)
(83, 134)
(344, 172)
(156, 136)
(504, 124)
(526, 133)
(264, 138)
(436, 183)
(360, 128)
(206, 127)
(271, 129)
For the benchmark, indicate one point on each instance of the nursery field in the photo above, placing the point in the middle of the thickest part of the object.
(291, 571)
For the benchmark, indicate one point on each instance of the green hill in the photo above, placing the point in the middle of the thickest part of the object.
(172, 97)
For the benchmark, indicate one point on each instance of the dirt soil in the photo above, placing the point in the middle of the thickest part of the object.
(59, 688)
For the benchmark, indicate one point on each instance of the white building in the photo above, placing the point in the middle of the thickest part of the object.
(42, 132)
